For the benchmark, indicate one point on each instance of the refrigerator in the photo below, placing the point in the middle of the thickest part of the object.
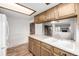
(4, 32)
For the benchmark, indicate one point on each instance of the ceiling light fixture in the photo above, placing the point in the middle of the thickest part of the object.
(47, 3)
(18, 8)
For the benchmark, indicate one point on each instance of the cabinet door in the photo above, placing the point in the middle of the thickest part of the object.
(36, 19)
(66, 10)
(36, 50)
(56, 51)
(59, 52)
(50, 14)
(45, 52)
(47, 15)
(36, 47)
(30, 44)
(45, 49)
(56, 13)
(64, 53)
(42, 17)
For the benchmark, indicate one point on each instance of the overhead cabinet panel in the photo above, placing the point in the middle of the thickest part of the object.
(63, 10)
(36, 19)
(66, 10)
(50, 14)
(42, 17)
(56, 13)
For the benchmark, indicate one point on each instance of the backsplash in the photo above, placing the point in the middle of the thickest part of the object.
(63, 29)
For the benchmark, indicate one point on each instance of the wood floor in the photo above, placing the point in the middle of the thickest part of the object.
(21, 50)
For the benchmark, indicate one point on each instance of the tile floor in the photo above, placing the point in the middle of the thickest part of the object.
(21, 50)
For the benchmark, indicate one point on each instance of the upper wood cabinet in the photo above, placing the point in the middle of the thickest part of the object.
(42, 17)
(63, 10)
(50, 14)
(56, 13)
(36, 19)
(66, 10)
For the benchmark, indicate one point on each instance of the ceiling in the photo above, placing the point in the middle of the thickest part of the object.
(38, 7)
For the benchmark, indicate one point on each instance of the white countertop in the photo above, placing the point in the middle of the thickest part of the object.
(66, 45)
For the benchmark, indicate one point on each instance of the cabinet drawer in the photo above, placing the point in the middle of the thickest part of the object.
(64, 53)
(46, 46)
(36, 41)
(45, 52)
(61, 52)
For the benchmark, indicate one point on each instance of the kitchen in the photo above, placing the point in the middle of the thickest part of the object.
(51, 30)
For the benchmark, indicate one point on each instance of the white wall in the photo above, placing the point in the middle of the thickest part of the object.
(18, 27)
(19, 31)
(39, 29)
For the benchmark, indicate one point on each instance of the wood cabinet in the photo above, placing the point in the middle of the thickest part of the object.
(36, 49)
(39, 48)
(50, 14)
(56, 13)
(45, 49)
(63, 10)
(66, 10)
(30, 44)
(59, 52)
(36, 19)
(42, 17)
(45, 52)
(34, 46)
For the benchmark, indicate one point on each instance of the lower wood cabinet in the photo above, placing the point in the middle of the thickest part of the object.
(45, 49)
(36, 50)
(45, 52)
(39, 48)
(34, 46)
(59, 52)
(30, 44)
